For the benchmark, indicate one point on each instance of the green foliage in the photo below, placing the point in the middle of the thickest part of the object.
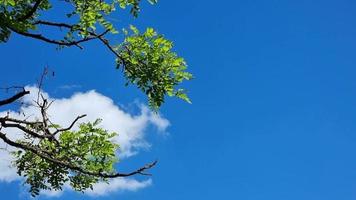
(12, 14)
(89, 148)
(147, 60)
(149, 63)
(89, 13)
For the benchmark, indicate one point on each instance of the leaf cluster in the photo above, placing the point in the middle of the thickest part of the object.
(149, 63)
(90, 148)
(88, 13)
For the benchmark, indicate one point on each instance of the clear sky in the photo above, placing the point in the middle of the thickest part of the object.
(274, 99)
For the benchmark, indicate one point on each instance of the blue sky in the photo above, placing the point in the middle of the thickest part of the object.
(273, 113)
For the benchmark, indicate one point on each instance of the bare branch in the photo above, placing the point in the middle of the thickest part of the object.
(14, 98)
(138, 171)
(58, 42)
(22, 128)
(20, 121)
(57, 24)
(107, 44)
(70, 126)
(40, 83)
(71, 26)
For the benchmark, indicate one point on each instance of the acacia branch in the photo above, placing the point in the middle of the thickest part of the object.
(70, 126)
(22, 128)
(71, 26)
(107, 44)
(46, 156)
(58, 42)
(57, 24)
(20, 121)
(14, 98)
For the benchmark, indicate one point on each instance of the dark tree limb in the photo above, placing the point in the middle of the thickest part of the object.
(57, 24)
(20, 121)
(14, 98)
(57, 42)
(22, 128)
(70, 126)
(71, 27)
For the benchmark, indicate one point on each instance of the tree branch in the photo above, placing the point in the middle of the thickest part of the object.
(22, 128)
(20, 121)
(14, 98)
(57, 24)
(58, 42)
(46, 156)
(70, 126)
(71, 26)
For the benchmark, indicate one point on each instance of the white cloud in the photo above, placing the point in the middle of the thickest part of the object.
(69, 87)
(130, 128)
(118, 185)
(7, 173)
(104, 189)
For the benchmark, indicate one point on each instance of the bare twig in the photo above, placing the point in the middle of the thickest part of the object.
(70, 126)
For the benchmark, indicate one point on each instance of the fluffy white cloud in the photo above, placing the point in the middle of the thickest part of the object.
(118, 185)
(130, 129)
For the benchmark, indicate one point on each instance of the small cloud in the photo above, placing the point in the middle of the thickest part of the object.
(54, 193)
(69, 87)
(118, 185)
